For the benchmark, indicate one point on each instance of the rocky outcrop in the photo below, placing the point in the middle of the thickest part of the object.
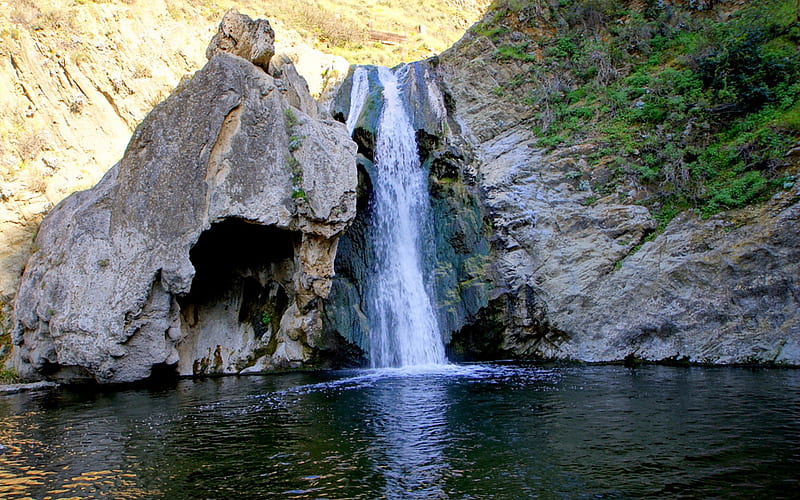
(73, 85)
(241, 36)
(722, 290)
(206, 249)
(75, 81)
(581, 275)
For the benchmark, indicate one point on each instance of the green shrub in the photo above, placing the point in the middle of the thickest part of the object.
(700, 112)
(517, 52)
(8, 377)
(736, 193)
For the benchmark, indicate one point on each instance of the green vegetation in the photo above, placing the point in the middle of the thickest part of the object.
(291, 119)
(295, 141)
(518, 52)
(8, 377)
(696, 109)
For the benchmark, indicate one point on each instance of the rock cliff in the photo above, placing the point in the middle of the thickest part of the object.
(209, 246)
(534, 261)
(582, 274)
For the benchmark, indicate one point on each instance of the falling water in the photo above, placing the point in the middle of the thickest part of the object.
(358, 96)
(402, 323)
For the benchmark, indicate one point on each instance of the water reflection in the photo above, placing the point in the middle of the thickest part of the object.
(411, 434)
(81, 456)
(460, 432)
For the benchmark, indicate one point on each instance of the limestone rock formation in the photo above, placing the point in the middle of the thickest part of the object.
(241, 36)
(76, 78)
(73, 86)
(206, 249)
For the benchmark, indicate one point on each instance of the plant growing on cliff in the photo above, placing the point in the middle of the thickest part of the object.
(691, 110)
(291, 120)
(518, 52)
(6, 376)
(295, 142)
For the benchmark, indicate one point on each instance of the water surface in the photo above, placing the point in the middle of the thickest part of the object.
(478, 431)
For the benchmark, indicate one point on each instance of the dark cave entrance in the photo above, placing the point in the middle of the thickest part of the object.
(241, 289)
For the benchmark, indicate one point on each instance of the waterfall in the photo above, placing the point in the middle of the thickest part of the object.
(358, 96)
(403, 329)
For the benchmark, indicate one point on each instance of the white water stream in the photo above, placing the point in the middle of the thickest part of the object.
(358, 96)
(402, 322)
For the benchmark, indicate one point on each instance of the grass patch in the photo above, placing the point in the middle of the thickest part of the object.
(516, 52)
(8, 377)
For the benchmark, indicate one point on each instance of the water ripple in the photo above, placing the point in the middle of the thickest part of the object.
(451, 431)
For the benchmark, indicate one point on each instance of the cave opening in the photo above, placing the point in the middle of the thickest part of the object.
(234, 246)
(241, 289)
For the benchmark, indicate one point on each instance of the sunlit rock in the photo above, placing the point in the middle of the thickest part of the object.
(205, 250)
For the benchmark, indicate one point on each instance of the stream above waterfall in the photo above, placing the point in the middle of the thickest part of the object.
(474, 431)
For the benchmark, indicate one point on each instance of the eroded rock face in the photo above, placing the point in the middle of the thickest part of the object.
(241, 36)
(206, 249)
(575, 275)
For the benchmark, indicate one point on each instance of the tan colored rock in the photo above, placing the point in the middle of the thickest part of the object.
(73, 86)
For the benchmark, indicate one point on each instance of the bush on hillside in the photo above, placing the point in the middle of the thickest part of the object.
(694, 110)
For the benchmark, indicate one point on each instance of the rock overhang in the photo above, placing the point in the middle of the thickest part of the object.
(101, 298)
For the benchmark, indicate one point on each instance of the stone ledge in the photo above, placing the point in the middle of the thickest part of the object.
(33, 386)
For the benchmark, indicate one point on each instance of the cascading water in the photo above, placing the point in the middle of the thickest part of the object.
(358, 97)
(403, 329)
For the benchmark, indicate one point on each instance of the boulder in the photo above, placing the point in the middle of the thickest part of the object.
(207, 248)
(241, 36)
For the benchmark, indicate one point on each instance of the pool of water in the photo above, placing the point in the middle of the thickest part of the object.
(475, 431)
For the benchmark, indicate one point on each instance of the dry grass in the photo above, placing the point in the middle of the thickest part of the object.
(30, 143)
(333, 30)
(340, 27)
(25, 12)
(35, 179)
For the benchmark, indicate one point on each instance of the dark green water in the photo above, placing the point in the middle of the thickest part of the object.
(482, 431)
